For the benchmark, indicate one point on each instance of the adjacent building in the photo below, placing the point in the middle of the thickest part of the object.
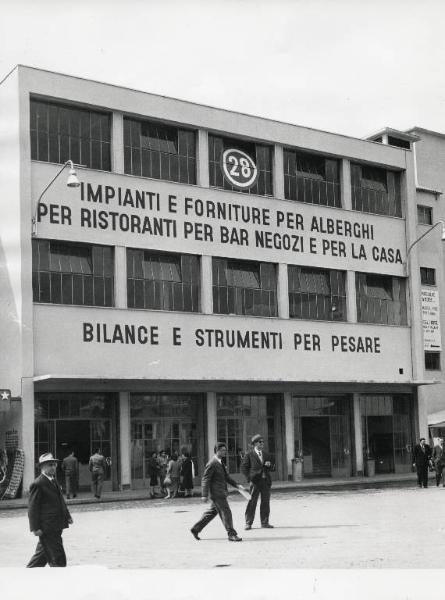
(214, 275)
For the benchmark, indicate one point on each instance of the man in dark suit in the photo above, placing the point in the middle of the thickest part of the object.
(421, 460)
(256, 467)
(214, 486)
(48, 515)
(439, 460)
(70, 468)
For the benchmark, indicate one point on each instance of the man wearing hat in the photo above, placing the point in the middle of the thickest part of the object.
(256, 467)
(48, 515)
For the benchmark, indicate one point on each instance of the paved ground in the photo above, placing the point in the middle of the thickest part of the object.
(362, 529)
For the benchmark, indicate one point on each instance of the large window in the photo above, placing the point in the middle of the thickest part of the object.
(376, 190)
(71, 273)
(316, 294)
(60, 133)
(159, 151)
(259, 153)
(380, 299)
(163, 281)
(311, 178)
(244, 288)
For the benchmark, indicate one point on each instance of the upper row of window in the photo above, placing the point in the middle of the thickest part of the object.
(159, 151)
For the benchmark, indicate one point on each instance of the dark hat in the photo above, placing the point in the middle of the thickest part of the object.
(257, 438)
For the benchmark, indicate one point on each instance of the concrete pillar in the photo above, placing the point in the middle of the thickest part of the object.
(206, 285)
(202, 175)
(117, 143)
(345, 181)
(422, 412)
(351, 297)
(120, 277)
(283, 292)
(27, 433)
(289, 432)
(211, 424)
(124, 440)
(278, 172)
(358, 437)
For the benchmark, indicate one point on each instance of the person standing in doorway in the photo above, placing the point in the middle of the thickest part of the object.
(421, 460)
(97, 466)
(256, 467)
(214, 486)
(439, 460)
(48, 516)
(70, 468)
(187, 474)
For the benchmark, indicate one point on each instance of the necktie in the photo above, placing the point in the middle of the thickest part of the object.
(260, 454)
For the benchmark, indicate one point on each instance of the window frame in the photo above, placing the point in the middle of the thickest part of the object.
(368, 306)
(377, 197)
(430, 364)
(427, 211)
(309, 304)
(425, 273)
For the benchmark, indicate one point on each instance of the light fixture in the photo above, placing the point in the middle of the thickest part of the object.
(439, 222)
(71, 182)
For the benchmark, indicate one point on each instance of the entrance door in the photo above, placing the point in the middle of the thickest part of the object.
(381, 443)
(316, 446)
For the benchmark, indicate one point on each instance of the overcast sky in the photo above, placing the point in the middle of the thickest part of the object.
(347, 66)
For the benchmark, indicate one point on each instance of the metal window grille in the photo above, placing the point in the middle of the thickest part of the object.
(163, 281)
(381, 299)
(60, 133)
(375, 191)
(159, 151)
(318, 294)
(311, 179)
(69, 273)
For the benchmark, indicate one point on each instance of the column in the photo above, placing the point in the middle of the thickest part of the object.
(278, 172)
(117, 143)
(283, 292)
(358, 438)
(120, 277)
(289, 432)
(203, 159)
(351, 297)
(124, 440)
(206, 285)
(345, 182)
(27, 433)
(211, 424)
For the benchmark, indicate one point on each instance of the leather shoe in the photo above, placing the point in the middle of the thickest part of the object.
(235, 538)
(267, 526)
(247, 527)
(195, 534)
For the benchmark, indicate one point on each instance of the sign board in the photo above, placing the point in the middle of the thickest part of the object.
(239, 168)
(5, 400)
(431, 320)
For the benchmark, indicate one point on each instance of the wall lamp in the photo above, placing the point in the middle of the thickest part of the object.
(439, 222)
(72, 182)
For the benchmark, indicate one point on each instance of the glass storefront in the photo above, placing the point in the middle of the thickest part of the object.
(322, 433)
(170, 422)
(79, 422)
(239, 417)
(388, 433)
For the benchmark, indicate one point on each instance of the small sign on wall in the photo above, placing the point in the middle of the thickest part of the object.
(431, 320)
(5, 400)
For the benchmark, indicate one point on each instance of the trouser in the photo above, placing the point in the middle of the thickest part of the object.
(422, 476)
(439, 472)
(220, 507)
(260, 488)
(97, 480)
(70, 484)
(49, 551)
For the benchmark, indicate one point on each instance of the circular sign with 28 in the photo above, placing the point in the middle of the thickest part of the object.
(239, 168)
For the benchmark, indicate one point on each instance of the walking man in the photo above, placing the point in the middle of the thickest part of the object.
(97, 466)
(256, 467)
(48, 516)
(421, 460)
(70, 467)
(439, 460)
(214, 486)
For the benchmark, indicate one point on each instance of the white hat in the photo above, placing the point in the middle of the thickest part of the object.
(48, 457)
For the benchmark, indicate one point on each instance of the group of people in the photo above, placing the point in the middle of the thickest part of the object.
(425, 459)
(171, 473)
(49, 515)
(70, 469)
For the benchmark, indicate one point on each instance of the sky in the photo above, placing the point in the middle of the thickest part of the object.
(346, 66)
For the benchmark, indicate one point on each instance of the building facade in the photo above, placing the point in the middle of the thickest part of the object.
(214, 275)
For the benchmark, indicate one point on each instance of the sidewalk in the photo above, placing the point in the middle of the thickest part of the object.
(350, 483)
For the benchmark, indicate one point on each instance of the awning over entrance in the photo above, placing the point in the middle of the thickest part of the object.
(437, 419)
